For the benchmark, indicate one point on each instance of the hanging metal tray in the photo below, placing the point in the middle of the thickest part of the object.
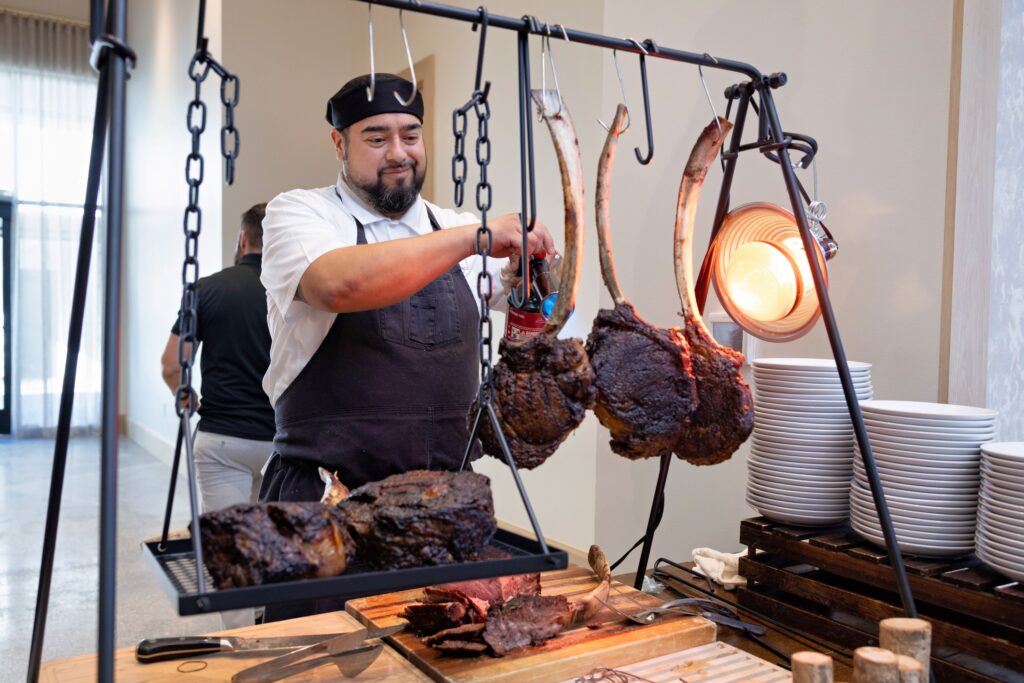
(175, 568)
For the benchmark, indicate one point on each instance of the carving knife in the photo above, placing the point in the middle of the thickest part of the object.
(161, 649)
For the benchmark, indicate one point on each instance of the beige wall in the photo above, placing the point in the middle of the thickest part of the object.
(155, 195)
(68, 9)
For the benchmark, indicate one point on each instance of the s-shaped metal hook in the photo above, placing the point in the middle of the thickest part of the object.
(647, 102)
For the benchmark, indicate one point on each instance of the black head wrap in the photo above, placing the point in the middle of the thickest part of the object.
(350, 105)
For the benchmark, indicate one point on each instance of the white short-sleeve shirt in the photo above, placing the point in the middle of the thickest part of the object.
(302, 225)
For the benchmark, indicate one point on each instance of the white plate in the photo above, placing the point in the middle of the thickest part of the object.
(956, 523)
(924, 494)
(930, 456)
(827, 365)
(937, 478)
(948, 463)
(770, 389)
(924, 473)
(932, 411)
(790, 489)
(915, 502)
(815, 512)
(1007, 556)
(928, 431)
(797, 518)
(1009, 544)
(912, 507)
(824, 507)
(1002, 498)
(783, 424)
(768, 396)
(1004, 510)
(801, 448)
(1010, 452)
(809, 386)
(811, 459)
(804, 473)
(926, 447)
(987, 520)
(915, 533)
(938, 438)
(787, 482)
(912, 548)
(811, 464)
(1000, 481)
(1005, 568)
(798, 438)
(781, 430)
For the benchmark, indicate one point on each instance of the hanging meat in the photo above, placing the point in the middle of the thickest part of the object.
(644, 379)
(725, 411)
(543, 385)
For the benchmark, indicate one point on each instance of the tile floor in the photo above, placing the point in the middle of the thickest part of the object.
(143, 610)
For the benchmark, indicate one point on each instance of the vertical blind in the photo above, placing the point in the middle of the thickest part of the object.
(47, 97)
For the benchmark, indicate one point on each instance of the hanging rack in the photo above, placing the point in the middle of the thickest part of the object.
(773, 141)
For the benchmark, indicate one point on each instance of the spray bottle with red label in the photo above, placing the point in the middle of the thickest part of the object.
(527, 318)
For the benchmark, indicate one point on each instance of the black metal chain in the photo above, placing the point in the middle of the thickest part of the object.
(195, 167)
(484, 242)
(459, 158)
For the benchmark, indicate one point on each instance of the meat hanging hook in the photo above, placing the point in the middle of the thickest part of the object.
(484, 18)
(373, 72)
(707, 93)
(647, 103)
(622, 89)
(408, 56)
(547, 56)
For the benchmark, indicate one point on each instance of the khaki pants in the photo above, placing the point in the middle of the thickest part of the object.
(228, 473)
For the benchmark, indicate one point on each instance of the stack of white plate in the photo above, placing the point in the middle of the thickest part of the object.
(802, 447)
(1000, 535)
(927, 456)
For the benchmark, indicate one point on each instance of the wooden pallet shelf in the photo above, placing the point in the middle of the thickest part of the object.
(833, 583)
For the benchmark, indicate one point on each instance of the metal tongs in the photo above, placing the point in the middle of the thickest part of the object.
(712, 611)
(351, 652)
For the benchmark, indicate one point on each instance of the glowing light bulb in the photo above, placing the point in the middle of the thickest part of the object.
(796, 249)
(761, 281)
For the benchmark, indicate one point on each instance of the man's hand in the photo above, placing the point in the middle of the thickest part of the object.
(510, 278)
(507, 237)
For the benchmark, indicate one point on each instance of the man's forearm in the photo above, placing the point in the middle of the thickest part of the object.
(368, 276)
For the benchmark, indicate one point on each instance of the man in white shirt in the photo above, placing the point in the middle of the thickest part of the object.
(372, 305)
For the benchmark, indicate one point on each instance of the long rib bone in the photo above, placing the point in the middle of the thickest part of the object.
(570, 163)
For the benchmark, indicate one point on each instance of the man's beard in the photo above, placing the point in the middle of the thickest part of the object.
(390, 201)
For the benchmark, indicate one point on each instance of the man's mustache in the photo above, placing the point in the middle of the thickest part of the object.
(408, 163)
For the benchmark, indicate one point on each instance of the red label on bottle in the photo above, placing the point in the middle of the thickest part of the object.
(520, 324)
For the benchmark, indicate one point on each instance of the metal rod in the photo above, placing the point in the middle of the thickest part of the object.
(116, 21)
(645, 158)
(193, 500)
(95, 20)
(170, 491)
(472, 437)
(572, 35)
(519, 482)
(528, 183)
(67, 396)
(703, 284)
(828, 316)
(652, 520)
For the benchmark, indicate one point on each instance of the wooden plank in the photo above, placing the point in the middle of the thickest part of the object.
(712, 663)
(934, 567)
(1014, 592)
(975, 578)
(987, 647)
(613, 642)
(869, 553)
(843, 635)
(839, 541)
(983, 605)
(390, 666)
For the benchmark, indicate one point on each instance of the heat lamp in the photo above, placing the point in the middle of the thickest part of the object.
(761, 272)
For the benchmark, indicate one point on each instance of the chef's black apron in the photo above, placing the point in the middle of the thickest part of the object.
(387, 391)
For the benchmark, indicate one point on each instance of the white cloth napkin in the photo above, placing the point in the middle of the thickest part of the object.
(722, 568)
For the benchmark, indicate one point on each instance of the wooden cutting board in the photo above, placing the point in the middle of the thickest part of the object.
(390, 667)
(615, 642)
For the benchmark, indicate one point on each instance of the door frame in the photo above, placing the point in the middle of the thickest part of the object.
(7, 234)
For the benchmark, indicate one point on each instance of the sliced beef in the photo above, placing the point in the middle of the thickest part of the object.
(526, 620)
(466, 632)
(464, 648)
(431, 617)
(492, 591)
(249, 545)
(420, 518)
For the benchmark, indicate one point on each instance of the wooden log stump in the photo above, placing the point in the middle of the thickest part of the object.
(910, 637)
(875, 665)
(811, 667)
(911, 670)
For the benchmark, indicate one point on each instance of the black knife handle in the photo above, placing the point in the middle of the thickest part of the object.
(162, 649)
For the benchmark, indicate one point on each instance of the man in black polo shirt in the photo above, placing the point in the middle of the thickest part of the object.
(236, 421)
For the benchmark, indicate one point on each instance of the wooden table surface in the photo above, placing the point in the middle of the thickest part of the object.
(784, 641)
(390, 666)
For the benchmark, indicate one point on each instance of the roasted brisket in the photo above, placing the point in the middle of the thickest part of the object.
(526, 620)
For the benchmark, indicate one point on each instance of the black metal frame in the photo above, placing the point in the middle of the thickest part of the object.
(774, 143)
(7, 219)
(111, 57)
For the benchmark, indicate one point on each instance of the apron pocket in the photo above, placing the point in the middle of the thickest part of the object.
(428, 319)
